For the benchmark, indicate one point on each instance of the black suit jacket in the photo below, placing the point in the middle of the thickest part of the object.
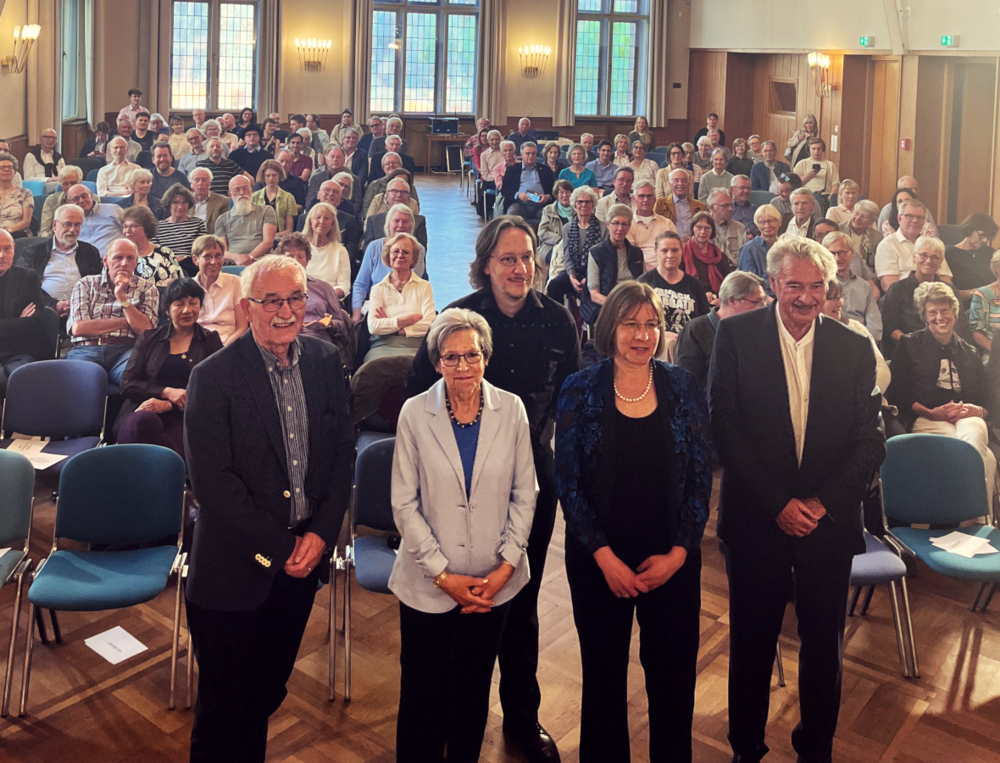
(512, 182)
(22, 335)
(375, 171)
(752, 428)
(359, 165)
(375, 228)
(236, 461)
(36, 257)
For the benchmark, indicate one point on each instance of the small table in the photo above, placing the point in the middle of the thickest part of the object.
(433, 138)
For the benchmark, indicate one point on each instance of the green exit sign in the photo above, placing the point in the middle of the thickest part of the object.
(867, 42)
(949, 41)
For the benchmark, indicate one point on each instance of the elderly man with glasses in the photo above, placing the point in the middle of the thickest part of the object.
(894, 255)
(43, 162)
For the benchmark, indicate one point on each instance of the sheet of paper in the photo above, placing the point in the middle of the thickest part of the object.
(32, 450)
(3, 551)
(964, 545)
(115, 645)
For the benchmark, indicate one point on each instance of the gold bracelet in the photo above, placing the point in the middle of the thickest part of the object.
(438, 580)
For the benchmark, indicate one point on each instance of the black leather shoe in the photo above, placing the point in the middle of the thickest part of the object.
(533, 742)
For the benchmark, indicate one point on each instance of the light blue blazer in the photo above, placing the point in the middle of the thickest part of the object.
(442, 528)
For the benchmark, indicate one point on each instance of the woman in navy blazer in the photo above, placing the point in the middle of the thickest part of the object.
(463, 499)
(634, 475)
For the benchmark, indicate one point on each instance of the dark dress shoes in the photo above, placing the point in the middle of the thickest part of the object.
(533, 742)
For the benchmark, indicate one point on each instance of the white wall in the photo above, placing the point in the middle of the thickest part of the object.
(530, 22)
(323, 92)
(780, 25)
(13, 87)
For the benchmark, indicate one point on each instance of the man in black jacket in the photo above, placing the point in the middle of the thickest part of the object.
(794, 411)
(527, 187)
(270, 452)
(62, 260)
(22, 319)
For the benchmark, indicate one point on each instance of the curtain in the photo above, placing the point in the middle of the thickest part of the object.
(268, 54)
(490, 100)
(155, 40)
(43, 72)
(659, 75)
(563, 110)
(361, 60)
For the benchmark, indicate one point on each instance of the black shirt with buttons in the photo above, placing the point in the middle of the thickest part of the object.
(533, 353)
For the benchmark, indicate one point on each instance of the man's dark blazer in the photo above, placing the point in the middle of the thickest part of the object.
(760, 177)
(236, 461)
(375, 228)
(752, 429)
(375, 171)
(512, 182)
(25, 335)
(359, 165)
(37, 257)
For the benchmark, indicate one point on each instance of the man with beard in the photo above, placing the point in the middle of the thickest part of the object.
(247, 230)
(223, 170)
(112, 176)
(164, 173)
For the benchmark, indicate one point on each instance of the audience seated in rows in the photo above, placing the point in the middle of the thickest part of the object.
(711, 123)
(860, 228)
(393, 144)
(716, 177)
(375, 188)
(910, 183)
(393, 127)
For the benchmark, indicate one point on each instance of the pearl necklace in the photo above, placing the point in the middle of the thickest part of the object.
(451, 413)
(649, 386)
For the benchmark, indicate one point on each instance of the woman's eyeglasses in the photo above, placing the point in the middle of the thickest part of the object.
(471, 358)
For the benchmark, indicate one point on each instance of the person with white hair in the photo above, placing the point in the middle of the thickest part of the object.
(678, 206)
(208, 206)
(43, 162)
(195, 152)
(730, 235)
(69, 176)
(647, 226)
(393, 126)
(860, 228)
(794, 476)
(212, 128)
(248, 230)
(859, 300)
(112, 178)
(894, 257)
(803, 203)
(716, 177)
(753, 255)
(270, 455)
(101, 221)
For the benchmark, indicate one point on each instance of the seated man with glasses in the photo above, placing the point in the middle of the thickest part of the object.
(101, 222)
(894, 255)
(110, 310)
(646, 224)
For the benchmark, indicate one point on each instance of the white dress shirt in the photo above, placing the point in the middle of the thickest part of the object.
(798, 359)
(643, 234)
(894, 256)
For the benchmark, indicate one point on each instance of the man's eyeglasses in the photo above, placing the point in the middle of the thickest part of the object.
(273, 304)
(921, 218)
(470, 358)
(528, 260)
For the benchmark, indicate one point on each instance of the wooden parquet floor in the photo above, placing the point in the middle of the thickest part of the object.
(83, 709)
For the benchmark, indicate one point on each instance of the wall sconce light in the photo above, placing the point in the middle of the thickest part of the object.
(312, 53)
(24, 38)
(820, 65)
(533, 60)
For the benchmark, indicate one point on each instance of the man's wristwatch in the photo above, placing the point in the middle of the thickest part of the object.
(438, 580)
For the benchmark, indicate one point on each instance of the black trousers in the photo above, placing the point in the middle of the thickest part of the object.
(520, 695)
(762, 579)
(669, 628)
(446, 663)
(244, 662)
(8, 365)
(561, 287)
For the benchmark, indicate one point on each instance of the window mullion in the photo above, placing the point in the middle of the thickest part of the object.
(213, 54)
(441, 43)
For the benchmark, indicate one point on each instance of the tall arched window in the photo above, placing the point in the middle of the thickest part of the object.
(611, 57)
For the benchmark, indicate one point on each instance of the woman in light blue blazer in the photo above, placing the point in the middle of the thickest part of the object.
(463, 498)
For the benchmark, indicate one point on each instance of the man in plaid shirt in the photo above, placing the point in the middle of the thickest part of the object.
(108, 311)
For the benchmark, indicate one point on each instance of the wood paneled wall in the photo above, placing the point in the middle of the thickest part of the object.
(884, 121)
(707, 88)
(974, 143)
(18, 148)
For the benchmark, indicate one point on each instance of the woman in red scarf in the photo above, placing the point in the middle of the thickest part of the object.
(703, 259)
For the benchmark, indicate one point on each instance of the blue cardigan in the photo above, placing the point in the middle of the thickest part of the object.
(581, 416)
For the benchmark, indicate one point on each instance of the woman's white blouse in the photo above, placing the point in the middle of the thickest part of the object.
(416, 297)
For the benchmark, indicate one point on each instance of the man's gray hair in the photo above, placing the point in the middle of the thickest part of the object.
(834, 236)
(210, 123)
(802, 249)
(210, 141)
(770, 143)
(720, 152)
(716, 193)
(270, 263)
(732, 182)
(586, 135)
(457, 319)
(340, 176)
(393, 121)
(583, 190)
(868, 207)
(194, 130)
(62, 209)
(206, 170)
(508, 143)
(935, 292)
(674, 172)
(619, 210)
(803, 192)
(738, 285)
(393, 154)
(642, 184)
(306, 133)
(491, 133)
(116, 139)
(755, 135)
(531, 144)
(276, 156)
(352, 130)
(67, 170)
(394, 211)
(912, 203)
(334, 147)
(393, 138)
(704, 140)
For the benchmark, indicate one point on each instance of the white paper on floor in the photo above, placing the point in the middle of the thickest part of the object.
(115, 645)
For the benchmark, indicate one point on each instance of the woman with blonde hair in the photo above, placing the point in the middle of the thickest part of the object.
(330, 261)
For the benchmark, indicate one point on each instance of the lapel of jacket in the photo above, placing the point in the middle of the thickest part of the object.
(259, 386)
(776, 392)
(440, 426)
(489, 427)
(10, 294)
(314, 388)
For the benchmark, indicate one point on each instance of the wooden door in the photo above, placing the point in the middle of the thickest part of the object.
(884, 131)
